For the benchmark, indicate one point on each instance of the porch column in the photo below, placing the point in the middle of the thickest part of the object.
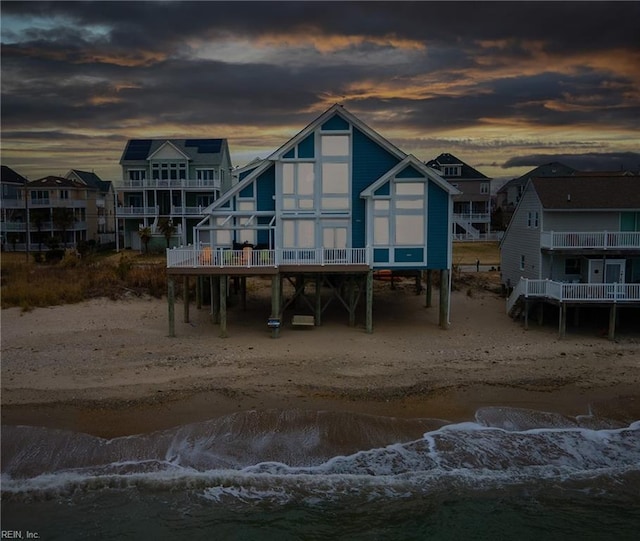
(223, 306)
(444, 299)
(369, 295)
(171, 306)
(185, 297)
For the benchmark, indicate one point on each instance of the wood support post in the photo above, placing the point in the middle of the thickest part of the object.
(352, 301)
(612, 321)
(369, 296)
(318, 307)
(428, 297)
(199, 289)
(171, 298)
(444, 299)
(243, 292)
(526, 315)
(185, 297)
(540, 313)
(276, 293)
(562, 324)
(223, 305)
(215, 299)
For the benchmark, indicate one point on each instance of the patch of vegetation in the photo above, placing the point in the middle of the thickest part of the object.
(30, 284)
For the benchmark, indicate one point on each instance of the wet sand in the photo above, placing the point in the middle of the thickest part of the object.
(108, 367)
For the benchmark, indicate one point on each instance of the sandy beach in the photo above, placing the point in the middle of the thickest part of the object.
(109, 368)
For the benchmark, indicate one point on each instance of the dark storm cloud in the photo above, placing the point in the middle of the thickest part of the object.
(73, 66)
(590, 161)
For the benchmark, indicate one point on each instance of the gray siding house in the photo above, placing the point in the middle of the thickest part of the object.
(574, 240)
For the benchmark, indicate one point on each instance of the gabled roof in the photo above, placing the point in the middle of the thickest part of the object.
(58, 182)
(551, 169)
(339, 110)
(410, 160)
(204, 151)
(10, 176)
(91, 179)
(467, 172)
(588, 192)
(260, 167)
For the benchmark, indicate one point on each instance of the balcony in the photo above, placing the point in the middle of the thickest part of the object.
(574, 293)
(123, 212)
(473, 217)
(205, 257)
(46, 202)
(597, 240)
(209, 184)
(187, 211)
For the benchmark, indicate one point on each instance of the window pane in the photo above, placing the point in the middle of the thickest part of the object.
(305, 234)
(381, 230)
(287, 178)
(409, 188)
(305, 179)
(409, 203)
(409, 230)
(335, 145)
(335, 178)
(288, 234)
(246, 205)
(381, 204)
(341, 203)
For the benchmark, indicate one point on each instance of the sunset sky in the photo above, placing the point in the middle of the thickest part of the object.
(504, 86)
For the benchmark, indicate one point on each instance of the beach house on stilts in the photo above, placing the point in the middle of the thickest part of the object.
(328, 208)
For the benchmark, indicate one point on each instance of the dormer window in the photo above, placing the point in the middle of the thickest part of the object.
(451, 170)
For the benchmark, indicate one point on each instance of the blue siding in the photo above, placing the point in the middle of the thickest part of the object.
(438, 227)
(381, 255)
(247, 191)
(385, 189)
(336, 122)
(409, 255)
(306, 148)
(409, 172)
(370, 162)
(266, 189)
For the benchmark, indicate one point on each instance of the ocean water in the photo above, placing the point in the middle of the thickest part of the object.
(288, 475)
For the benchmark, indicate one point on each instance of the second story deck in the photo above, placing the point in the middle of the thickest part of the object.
(205, 260)
(596, 240)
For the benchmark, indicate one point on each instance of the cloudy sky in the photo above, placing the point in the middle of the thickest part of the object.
(504, 86)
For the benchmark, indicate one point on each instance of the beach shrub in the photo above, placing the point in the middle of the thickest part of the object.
(28, 285)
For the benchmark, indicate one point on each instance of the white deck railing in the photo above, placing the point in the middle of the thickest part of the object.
(136, 211)
(567, 292)
(193, 256)
(174, 183)
(604, 240)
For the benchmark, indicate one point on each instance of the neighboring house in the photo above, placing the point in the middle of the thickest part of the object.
(332, 204)
(169, 179)
(574, 240)
(509, 194)
(62, 209)
(472, 207)
(105, 232)
(13, 210)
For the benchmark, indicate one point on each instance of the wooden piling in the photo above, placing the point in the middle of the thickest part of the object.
(223, 306)
(171, 306)
(185, 297)
(369, 296)
(444, 299)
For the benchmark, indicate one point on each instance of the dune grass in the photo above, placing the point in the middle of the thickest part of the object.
(29, 285)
